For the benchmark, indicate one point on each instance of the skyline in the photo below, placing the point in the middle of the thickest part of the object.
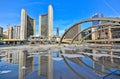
(65, 13)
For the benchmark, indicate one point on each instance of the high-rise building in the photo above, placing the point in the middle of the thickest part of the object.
(96, 34)
(16, 32)
(27, 25)
(9, 32)
(1, 31)
(50, 20)
(57, 31)
(46, 24)
(12, 32)
(97, 15)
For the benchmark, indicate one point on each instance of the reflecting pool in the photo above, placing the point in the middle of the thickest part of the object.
(66, 63)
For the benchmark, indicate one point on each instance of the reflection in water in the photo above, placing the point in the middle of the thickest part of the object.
(79, 61)
(68, 64)
(105, 63)
(79, 75)
(45, 66)
(26, 64)
(102, 65)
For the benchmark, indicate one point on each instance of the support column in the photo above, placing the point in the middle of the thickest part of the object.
(109, 34)
(93, 34)
(111, 57)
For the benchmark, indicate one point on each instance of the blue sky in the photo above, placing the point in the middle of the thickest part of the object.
(66, 12)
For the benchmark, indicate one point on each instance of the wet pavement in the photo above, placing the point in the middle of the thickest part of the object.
(60, 64)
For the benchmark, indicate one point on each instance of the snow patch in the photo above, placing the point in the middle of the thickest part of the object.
(5, 71)
(72, 55)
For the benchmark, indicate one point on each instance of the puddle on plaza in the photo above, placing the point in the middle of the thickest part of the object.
(60, 64)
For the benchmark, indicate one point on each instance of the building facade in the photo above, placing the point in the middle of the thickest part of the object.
(16, 32)
(96, 35)
(50, 20)
(73, 32)
(57, 31)
(97, 15)
(13, 32)
(28, 26)
(1, 31)
(104, 31)
(46, 24)
(9, 32)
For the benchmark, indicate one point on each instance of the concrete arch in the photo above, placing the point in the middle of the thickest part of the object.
(105, 24)
(89, 20)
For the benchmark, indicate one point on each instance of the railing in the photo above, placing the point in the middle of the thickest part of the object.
(112, 73)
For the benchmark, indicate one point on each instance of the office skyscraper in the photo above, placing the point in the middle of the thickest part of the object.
(95, 35)
(16, 32)
(50, 20)
(27, 25)
(46, 24)
(97, 16)
(57, 31)
(13, 32)
(1, 31)
(9, 32)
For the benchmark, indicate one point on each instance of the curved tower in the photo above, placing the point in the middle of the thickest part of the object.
(46, 24)
(23, 29)
(50, 21)
(28, 26)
